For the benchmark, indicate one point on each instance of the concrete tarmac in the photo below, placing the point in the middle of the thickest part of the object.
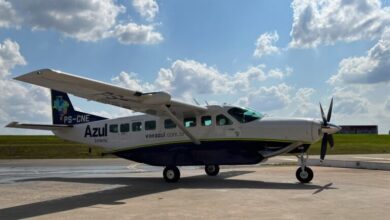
(120, 189)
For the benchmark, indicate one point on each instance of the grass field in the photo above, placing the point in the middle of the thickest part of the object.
(28, 147)
(356, 144)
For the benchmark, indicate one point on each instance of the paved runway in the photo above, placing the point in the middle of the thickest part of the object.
(120, 189)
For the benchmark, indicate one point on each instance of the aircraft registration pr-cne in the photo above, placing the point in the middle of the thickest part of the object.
(171, 133)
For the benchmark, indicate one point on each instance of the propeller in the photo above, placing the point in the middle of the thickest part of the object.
(328, 129)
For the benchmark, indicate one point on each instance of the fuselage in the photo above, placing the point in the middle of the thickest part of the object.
(221, 132)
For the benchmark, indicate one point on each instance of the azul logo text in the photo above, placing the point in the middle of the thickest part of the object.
(96, 132)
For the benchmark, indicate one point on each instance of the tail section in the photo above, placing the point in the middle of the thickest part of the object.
(64, 113)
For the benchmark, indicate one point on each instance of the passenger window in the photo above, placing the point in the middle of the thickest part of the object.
(114, 128)
(125, 127)
(168, 124)
(206, 120)
(150, 125)
(189, 122)
(223, 120)
(136, 126)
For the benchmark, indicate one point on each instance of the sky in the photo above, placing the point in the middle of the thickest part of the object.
(279, 57)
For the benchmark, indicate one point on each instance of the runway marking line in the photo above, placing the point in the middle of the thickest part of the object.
(372, 158)
(289, 159)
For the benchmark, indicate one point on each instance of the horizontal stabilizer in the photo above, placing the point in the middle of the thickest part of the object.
(38, 126)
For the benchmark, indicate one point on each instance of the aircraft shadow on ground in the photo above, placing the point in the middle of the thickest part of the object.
(131, 187)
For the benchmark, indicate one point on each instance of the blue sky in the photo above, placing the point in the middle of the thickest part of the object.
(279, 57)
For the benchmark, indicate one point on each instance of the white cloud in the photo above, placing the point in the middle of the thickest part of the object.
(133, 33)
(243, 80)
(362, 104)
(347, 100)
(186, 79)
(318, 22)
(18, 102)
(182, 79)
(189, 76)
(88, 20)
(279, 74)
(372, 68)
(130, 81)
(147, 8)
(303, 103)
(9, 57)
(7, 14)
(83, 20)
(361, 83)
(264, 44)
(268, 98)
(387, 105)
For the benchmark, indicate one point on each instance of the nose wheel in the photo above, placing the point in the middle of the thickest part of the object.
(171, 174)
(304, 174)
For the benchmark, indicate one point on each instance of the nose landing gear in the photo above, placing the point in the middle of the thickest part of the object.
(304, 174)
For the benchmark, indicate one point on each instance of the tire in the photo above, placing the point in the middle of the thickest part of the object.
(211, 170)
(171, 174)
(304, 176)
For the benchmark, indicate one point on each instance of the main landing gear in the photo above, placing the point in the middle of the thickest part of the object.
(304, 174)
(172, 173)
(211, 170)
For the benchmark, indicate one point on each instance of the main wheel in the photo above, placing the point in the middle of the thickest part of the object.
(211, 170)
(304, 176)
(171, 174)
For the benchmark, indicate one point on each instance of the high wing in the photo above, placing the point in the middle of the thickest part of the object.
(149, 103)
(154, 103)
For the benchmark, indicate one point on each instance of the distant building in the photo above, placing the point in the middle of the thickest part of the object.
(359, 129)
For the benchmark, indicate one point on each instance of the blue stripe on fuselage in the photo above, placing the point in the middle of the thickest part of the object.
(209, 152)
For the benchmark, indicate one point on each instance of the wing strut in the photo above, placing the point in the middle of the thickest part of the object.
(180, 125)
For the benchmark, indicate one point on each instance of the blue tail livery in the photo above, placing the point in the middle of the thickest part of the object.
(64, 113)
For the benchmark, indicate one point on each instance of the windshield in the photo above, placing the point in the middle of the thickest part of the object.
(244, 115)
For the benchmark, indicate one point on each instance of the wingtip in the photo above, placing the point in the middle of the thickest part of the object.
(12, 124)
(37, 72)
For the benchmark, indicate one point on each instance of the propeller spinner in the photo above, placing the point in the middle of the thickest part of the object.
(327, 129)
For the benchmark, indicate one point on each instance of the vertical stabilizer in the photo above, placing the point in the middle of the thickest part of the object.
(64, 113)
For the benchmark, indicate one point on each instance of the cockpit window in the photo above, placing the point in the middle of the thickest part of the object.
(244, 115)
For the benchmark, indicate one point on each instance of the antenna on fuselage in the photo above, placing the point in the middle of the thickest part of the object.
(196, 101)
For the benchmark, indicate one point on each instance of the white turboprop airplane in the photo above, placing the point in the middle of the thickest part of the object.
(173, 133)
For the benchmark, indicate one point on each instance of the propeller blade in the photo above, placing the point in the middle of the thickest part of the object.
(331, 141)
(323, 116)
(323, 146)
(330, 111)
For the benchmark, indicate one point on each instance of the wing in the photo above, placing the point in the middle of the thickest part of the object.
(154, 103)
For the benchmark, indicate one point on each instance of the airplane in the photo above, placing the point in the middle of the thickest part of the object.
(172, 133)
